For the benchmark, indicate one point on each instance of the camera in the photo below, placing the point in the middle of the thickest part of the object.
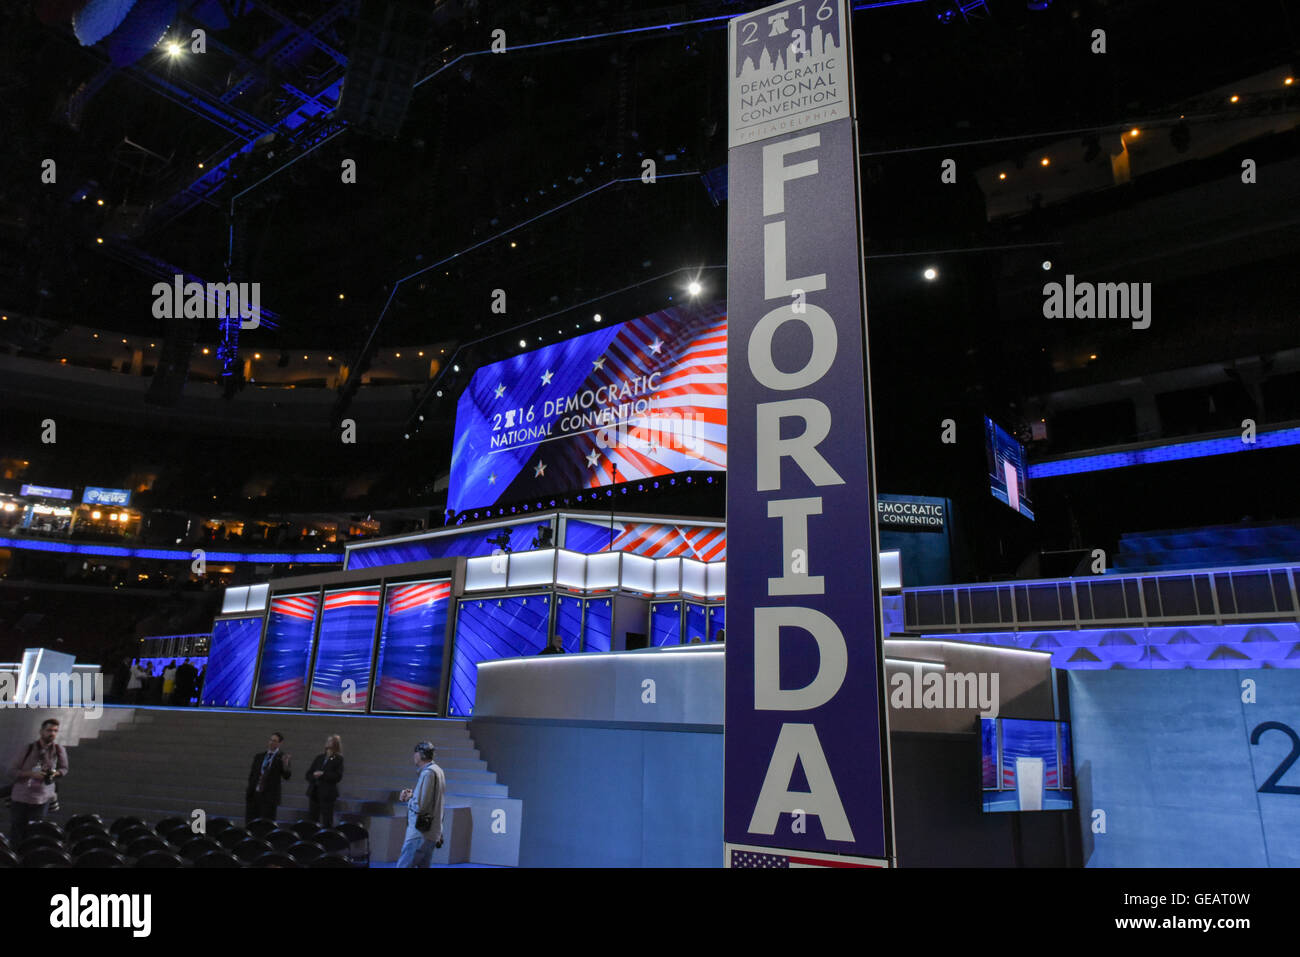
(49, 777)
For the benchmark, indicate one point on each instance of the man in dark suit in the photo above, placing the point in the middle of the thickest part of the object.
(269, 768)
(186, 677)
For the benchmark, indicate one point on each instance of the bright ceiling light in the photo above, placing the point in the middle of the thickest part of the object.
(694, 288)
(931, 274)
(173, 49)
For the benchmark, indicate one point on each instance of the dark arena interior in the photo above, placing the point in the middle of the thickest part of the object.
(402, 371)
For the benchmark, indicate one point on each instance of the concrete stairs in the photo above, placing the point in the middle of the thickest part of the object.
(158, 762)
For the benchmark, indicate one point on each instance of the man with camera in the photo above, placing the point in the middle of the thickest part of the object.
(34, 770)
(423, 810)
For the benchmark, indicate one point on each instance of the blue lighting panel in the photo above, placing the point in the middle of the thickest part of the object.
(665, 623)
(232, 659)
(1174, 452)
(347, 637)
(282, 680)
(410, 647)
(717, 621)
(492, 628)
(172, 554)
(696, 624)
(568, 622)
(598, 625)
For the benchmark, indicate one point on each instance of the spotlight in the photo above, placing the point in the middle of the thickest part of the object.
(931, 274)
(99, 202)
(522, 344)
(1047, 264)
(1002, 175)
(596, 317)
(440, 393)
(1288, 81)
(694, 288)
(100, 240)
(1092, 356)
(1234, 98)
(1045, 161)
(512, 244)
(173, 49)
(1133, 133)
(455, 368)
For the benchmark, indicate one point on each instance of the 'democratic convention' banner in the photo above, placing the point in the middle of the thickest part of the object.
(807, 765)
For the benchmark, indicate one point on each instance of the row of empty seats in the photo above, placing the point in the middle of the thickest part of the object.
(86, 841)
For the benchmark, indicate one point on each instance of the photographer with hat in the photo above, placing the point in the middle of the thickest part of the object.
(423, 810)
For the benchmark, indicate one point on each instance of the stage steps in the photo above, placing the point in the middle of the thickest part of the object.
(160, 762)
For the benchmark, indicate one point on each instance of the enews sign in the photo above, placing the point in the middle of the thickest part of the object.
(806, 747)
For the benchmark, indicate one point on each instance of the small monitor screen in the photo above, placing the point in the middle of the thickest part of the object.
(1026, 765)
(1008, 472)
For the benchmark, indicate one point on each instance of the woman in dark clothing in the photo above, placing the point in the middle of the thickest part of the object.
(323, 782)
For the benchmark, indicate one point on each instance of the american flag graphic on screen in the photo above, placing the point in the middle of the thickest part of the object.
(705, 543)
(347, 637)
(648, 397)
(282, 678)
(409, 667)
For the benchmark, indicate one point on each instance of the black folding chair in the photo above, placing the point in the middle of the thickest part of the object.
(304, 829)
(160, 859)
(282, 840)
(359, 841)
(218, 859)
(95, 842)
(232, 836)
(100, 857)
(144, 844)
(304, 852)
(45, 829)
(123, 824)
(47, 857)
(251, 849)
(261, 827)
(275, 859)
(196, 847)
(40, 840)
(332, 841)
(331, 860)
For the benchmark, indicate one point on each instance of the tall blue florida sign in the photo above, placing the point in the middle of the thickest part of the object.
(807, 758)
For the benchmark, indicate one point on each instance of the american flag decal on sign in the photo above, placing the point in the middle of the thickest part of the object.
(742, 856)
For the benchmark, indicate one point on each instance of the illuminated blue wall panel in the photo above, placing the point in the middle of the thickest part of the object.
(665, 623)
(232, 659)
(598, 625)
(568, 622)
(411, 641)
(1168, 755)
(696, 624)
(489, 628)
(717, 621)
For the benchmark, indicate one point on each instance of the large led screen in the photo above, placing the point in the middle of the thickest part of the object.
(665, 623)
(282, 680)
(597, 624)
(341, 678)
(1008, 473)
(706, 543)
(648, 397)
(409, 666)
(1026, 765)
(519, 537)
(232, 659)
(491, 628)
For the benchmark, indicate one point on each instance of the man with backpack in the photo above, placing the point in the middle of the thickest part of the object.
(34, 769)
